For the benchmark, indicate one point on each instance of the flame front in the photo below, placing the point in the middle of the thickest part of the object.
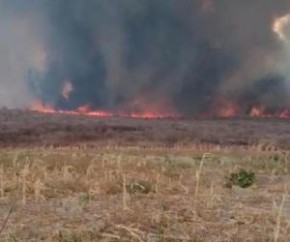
(262, 112)
(38, 106)
(229, 110)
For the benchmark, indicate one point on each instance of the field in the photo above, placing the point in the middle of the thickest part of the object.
(76, 178)
(31, 129)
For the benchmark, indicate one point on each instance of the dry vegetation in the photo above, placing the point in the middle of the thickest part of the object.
(127, 194)
(72, 178)
(20, 128)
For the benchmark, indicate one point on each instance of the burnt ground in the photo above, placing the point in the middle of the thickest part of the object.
(25, 128)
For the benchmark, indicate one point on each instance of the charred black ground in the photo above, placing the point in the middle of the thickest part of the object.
(32, 129)
(194, 54)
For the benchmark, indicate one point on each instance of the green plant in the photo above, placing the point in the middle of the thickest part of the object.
(84, 198)
(140, 186)
(11, 238)
(67, 236)
(242, 178)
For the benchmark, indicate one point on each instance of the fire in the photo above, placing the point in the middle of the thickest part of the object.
(257, 112)
(227, 111)
(279, 27)
(285, 114)
(261, 112)
(41, 107)
(83, 110)
(230, 110)
(151, 115)
(87, 111)
(143, 108)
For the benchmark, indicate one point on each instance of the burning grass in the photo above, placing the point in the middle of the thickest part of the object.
(127, 194)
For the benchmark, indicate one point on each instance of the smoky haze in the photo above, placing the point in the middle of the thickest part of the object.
(196, 55)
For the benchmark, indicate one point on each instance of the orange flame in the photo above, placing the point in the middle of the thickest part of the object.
(41, 107)
(257, 112)
(227, 111)
(142, 108)
(83, 110)
(285, 114)
(86, 110)
(261, 112)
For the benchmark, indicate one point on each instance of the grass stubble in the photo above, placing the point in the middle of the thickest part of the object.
(123, 194)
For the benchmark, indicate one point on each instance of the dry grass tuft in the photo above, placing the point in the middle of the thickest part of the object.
(143, 195)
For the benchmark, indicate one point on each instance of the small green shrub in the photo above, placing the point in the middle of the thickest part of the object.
(66, 236)
(242, 178)
(140, 186)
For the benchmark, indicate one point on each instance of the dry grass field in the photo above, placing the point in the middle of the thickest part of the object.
(125, 194)
(133, 190)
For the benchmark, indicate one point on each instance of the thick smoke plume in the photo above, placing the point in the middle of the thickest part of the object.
(193, 56)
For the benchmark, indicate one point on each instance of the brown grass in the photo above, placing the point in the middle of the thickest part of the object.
(77, 178)
(124, 194)
(20, 128)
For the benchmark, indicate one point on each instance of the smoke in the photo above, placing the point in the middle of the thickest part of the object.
(193, 54)
(19, 52)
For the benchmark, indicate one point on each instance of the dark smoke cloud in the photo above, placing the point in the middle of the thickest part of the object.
(189, 52)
